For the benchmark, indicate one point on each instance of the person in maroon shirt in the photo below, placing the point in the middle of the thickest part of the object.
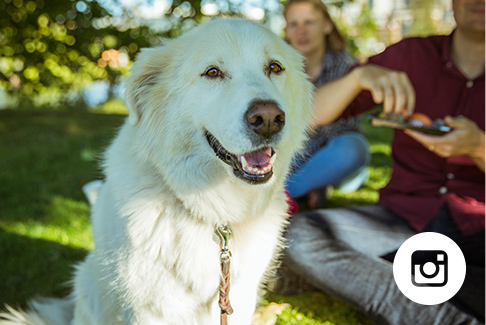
(437, 183)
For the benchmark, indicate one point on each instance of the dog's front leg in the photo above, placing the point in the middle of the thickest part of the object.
(95, 302)
(243, 297)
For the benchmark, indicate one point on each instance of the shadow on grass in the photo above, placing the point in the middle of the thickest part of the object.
(46, 155)
(46, 158)
(379, 159)
(34, 268)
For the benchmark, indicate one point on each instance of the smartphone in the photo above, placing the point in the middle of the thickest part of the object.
(401, 124)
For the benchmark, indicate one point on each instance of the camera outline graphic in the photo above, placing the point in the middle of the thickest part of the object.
(429, 258)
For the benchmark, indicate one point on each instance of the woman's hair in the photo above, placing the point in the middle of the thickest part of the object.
(335, 39)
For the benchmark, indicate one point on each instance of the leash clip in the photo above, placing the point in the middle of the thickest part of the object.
(222, 236)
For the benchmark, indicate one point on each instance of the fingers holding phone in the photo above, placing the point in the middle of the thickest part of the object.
(465, 138)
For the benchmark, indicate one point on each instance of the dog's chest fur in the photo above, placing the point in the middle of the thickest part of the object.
(173, 256)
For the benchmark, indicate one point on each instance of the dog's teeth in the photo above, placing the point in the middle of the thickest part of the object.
(255, 170)
(244, 163)
(272, 159)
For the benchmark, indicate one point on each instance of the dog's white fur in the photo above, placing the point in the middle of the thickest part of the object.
(165, 192)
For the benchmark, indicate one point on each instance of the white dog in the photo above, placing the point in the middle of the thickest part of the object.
(215, 119)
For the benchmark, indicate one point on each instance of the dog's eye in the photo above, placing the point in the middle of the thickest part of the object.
(213, 73)
(275, 67)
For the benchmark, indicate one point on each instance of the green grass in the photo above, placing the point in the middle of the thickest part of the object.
(44, 219)
(315, 308)
(45, 159)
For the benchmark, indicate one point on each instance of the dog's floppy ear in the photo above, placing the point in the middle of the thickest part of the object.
(146, 71)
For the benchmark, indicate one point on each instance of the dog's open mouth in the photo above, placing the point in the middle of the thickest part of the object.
(255, 167)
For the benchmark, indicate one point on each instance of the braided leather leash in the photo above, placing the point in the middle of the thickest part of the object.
(222, 235)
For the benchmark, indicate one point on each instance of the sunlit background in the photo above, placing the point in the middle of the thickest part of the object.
(65, 54)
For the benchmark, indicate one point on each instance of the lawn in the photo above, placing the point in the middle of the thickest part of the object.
(46, 157)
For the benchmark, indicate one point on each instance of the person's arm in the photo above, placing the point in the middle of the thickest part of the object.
(390, 87)
(466, 138)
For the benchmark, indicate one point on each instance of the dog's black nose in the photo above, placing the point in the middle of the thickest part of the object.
(265, 118)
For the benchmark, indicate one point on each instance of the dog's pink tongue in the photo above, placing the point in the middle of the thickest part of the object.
(259, 158)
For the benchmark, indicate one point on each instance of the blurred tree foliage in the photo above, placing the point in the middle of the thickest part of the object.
(425, 21)
(360, 32)
(50, 49)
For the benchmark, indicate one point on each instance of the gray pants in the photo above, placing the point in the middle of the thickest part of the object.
(339, 252)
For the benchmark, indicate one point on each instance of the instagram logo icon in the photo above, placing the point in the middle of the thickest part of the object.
(429, 268)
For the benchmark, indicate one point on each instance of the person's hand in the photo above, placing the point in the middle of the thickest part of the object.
(466, 138)
(390, 87)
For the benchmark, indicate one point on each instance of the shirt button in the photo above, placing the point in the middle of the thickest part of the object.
(443, 190)
(469, 84)
(450, 176)
(449, 64)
